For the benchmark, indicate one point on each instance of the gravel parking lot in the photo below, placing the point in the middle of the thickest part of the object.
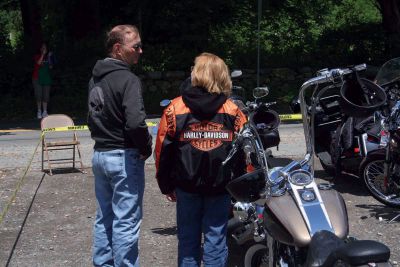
(50, 221)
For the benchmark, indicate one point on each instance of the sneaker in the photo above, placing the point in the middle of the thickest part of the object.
(44, 114)
(39, 114)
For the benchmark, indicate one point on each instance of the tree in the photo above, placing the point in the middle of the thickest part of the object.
(390, 10)
(82, 18)
(390, 15)
(31, 18)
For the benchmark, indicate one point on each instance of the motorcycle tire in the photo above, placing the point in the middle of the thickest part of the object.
(371, 172)
(256, 255)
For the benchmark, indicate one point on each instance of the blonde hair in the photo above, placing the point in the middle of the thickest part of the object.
(120, 34)
(211, 72)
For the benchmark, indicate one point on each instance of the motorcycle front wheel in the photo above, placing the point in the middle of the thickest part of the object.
(380, 187)
(256, 255)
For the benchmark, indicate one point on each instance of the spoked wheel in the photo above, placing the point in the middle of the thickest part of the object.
(256, 255)
(380, 187)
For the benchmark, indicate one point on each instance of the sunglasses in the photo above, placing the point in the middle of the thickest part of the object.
(137, 46)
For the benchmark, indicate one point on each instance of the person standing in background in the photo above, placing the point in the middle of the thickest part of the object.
(41, 79)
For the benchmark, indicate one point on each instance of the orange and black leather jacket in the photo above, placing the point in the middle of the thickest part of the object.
(195, 135)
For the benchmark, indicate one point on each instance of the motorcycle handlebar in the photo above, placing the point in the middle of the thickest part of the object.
(253, 105)
(326, 75)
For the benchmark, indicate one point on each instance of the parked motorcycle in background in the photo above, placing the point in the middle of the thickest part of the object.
(380, 170)
(303, 223)
(344, 129)
(265, 118)
(238, 95)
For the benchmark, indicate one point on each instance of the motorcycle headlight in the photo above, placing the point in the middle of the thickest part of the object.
(300, 177)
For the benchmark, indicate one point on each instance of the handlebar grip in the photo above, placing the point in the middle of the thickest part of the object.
(268, 104)
(360, 67)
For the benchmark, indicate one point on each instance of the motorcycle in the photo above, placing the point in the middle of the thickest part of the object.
(344, 129)
(304, 223)
(244, 225)
(380, 170)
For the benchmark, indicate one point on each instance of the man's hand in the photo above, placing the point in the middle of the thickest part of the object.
(43, 50)
(148, 150)
(171, 197)
(146, 155)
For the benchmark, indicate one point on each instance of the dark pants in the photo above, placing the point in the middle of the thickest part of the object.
(197, 215)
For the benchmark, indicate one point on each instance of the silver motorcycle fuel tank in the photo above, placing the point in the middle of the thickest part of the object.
(284, 222)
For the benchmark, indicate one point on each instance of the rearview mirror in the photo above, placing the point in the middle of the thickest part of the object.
(259, 92)
(295, 104)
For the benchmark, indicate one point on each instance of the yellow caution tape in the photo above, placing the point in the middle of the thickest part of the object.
(19, 184)
(283, 117)
(67, 128)
(152, 123)
(82, 127)
(288, 117)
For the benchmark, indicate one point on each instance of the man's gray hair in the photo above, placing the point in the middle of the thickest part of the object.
(118, 34)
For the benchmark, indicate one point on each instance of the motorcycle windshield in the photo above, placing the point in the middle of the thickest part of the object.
(389, 72)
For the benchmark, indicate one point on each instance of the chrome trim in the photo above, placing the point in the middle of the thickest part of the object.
(326, 97)
(326, 123)
(325, 186)
(308, 195)
(313, 212)
(364, 137)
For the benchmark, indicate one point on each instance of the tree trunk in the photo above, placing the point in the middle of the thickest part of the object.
(30, 12)
(390, 15)
(84, 19)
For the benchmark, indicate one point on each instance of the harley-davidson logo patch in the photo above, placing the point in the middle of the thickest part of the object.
(206, 136)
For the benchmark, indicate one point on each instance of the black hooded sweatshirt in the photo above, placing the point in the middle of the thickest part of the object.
(194, 137)
(116, 116)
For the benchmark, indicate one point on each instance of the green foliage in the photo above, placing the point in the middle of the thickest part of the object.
(293, 33)
(11, 28)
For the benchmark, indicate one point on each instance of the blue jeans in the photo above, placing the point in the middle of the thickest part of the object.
(119, 187)
(196, 215)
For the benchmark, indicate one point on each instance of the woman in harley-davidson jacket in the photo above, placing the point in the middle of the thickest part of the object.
(194, 137)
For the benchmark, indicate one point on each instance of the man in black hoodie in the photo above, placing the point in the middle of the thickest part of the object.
(117, 124)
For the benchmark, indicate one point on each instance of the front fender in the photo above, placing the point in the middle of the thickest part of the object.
(376, 153)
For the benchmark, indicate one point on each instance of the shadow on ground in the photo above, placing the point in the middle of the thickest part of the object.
(165, 231)
(350, 184)
(377, 211)
(56, 171)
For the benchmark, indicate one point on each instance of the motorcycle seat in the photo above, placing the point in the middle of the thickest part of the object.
(326, 248)
(369, 126)
(362, 252)
(322, 244)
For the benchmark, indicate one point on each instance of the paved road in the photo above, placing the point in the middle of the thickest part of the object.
(49, 223)
(17, 147)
